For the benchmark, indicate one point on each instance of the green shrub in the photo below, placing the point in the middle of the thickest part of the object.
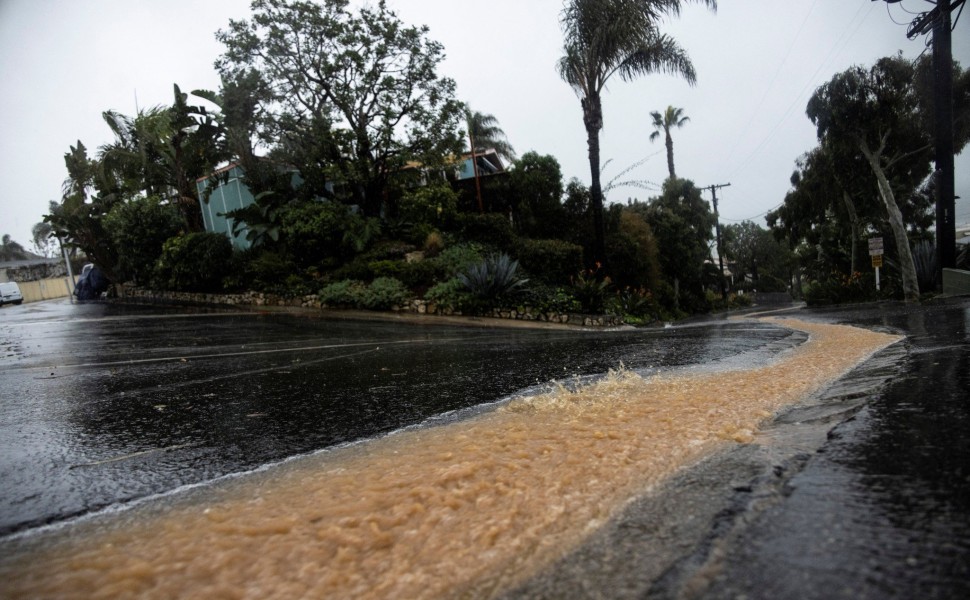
(739, 300)
(381, 294)
(492, 279)
(388, 250)
(386, 268)
(457, 258)
(435, 205)
(138, 230)
(546, 298)
(196, 262)
(590, 290)
(551, 261)
(259, 269)
(450, 294)
(313, 232)
(637, 302)
(421, 274)
(839, 288)
(491, 228)
(346, 293)
(384, 293)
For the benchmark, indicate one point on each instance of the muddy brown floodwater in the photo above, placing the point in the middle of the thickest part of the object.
(461, 510)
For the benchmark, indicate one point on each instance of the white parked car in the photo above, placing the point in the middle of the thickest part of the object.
(10, 293)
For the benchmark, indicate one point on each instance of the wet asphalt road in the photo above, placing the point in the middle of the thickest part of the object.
(883, 509)
(862, 492)
(105, 404)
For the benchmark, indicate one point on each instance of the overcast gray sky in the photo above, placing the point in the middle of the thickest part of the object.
(63, 62)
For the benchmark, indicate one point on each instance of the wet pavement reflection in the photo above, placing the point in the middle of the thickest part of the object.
(883, 510)
(105, 404)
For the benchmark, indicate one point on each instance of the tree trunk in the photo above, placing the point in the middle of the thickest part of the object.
(854, 222)
(907, 267)
(670, 154)
(593, 120)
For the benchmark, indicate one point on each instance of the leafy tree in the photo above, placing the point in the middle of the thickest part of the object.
(579, 218)
(41, 237)
(11, 250)
(633, 252)
(77, 220)
(682, 223)
(138, 230)
(756, 255)
(355, 93)
(672, 117)
(536, 183)
(607, 37)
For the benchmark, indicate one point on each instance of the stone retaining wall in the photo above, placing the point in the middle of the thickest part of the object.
(130, 294)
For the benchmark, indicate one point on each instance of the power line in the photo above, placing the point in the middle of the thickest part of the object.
(774, 78)
(835, 49)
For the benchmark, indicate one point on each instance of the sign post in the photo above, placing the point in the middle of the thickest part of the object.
(875, 251)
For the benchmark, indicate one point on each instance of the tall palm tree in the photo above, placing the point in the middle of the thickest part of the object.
(672, 117)
(485, 134)
(602, 38)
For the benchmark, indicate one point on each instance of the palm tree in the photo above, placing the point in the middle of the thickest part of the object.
(672, 117)
(485, 134)
(607, 37)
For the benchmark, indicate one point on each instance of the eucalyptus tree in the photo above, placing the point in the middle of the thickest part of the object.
(603, 38)
(663, 123)
(353, 92)
(876, 114)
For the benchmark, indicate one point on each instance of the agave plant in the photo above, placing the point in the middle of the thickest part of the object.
(494, 277)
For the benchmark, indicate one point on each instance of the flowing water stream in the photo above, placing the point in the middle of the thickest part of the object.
(464, 509)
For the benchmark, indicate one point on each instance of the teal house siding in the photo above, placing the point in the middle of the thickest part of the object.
(231, 195)
(488, 164)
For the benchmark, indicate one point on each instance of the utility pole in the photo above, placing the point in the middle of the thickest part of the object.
(939, 21)
(717, 230)
(943, 91)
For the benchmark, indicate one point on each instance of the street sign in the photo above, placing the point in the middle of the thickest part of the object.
(876, 261)
(875, 246)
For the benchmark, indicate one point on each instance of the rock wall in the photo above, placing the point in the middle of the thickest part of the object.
(131, 294)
